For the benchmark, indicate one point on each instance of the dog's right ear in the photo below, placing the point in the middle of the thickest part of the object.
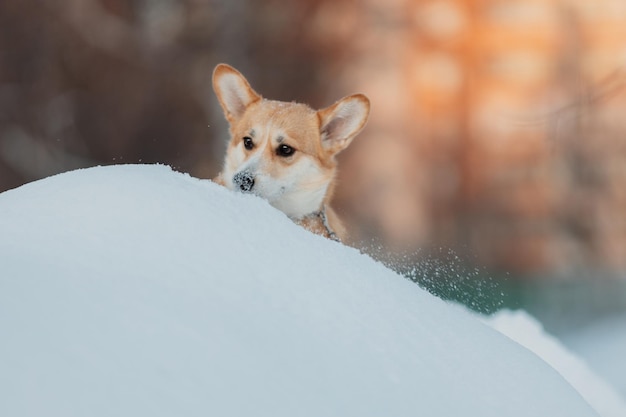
(233, 91)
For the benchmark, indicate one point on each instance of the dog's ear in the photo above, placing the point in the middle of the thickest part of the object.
(233, 91)
(342, 121)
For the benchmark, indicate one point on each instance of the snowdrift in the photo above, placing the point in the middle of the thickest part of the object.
(602, 345)
(603, 397)
(135, 290)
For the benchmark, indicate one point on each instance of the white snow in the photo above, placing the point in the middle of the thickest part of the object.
(603, 346)
(527, 331)
(138, 291)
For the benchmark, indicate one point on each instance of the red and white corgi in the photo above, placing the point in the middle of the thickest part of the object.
(285, 152)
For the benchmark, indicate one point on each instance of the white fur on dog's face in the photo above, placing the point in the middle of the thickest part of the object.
(295, 184)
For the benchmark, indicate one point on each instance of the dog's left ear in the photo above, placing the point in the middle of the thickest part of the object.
(233, 91)
(342, 121)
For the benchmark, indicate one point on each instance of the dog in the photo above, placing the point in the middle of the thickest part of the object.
(286, 152)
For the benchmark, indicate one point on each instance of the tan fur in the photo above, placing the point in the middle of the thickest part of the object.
(300, 184)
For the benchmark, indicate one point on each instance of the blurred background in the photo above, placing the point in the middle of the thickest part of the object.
(493, 168)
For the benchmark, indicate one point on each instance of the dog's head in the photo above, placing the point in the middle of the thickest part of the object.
(284, 152)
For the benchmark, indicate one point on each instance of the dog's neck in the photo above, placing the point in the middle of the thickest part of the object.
(317, 222)
(324, 218)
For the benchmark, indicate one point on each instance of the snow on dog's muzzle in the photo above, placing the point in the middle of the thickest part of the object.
(244, 180)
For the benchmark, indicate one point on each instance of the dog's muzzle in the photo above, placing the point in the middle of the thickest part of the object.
(244, 180)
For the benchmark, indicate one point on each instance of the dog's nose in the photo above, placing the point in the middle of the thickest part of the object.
(244, 180)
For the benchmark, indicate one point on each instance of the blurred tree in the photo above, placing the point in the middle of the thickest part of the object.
(85, 82)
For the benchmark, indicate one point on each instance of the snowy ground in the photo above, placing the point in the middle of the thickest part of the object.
(528, 332)
(134, 290)
(603, 346)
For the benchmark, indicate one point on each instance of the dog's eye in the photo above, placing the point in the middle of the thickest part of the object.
(247, 143)
(285, 150)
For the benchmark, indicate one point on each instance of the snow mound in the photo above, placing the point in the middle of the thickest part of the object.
(135, 290)
(528, 332)
(602, 345)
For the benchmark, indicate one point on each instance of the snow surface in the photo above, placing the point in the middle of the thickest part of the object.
(603, 346)
(135, 290)
(527, 331)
